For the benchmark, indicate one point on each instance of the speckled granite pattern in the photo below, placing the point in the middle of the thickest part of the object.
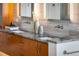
(53, 39)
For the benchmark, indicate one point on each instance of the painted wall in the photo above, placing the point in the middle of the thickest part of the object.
(38, 11)
(11, 13)
(8, 13)
(5, 14)
(0, 13)
(74, 12)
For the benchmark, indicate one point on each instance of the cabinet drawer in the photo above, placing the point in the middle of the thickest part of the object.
(70, 48)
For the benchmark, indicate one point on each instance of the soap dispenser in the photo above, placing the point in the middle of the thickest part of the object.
(40, 31)
(36, 26)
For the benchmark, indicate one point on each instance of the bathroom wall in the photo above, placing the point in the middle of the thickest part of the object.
(9, 11)
(12, 11)
(0, 13)
(5, 14)
(38, 13)
(74, 12)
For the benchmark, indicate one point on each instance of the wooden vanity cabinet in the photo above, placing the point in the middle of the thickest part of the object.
(6, 47)
(19, 46)
(14, 39)
(22, 46)
(35, 48)
(42, 49)
(30, 47)
(2, 36)
(14, 45)
(3, 40)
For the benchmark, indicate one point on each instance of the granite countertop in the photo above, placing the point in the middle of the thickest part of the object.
(24, 34)
(56, 40)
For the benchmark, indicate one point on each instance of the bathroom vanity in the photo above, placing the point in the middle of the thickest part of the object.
(28, 44)
(22, 44)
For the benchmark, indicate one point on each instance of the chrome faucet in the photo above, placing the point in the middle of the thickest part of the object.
(59, 26)
(40, 31)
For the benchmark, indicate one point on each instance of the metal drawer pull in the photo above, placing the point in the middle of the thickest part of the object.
(65, 52)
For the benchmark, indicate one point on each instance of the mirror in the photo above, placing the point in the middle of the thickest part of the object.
(26, 10)
(57, 11)
(52, 11)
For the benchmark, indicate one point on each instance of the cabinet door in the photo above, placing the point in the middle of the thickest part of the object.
(43, 49)
(9, 45)
(14, 46)
(30, 47)
(21, 46)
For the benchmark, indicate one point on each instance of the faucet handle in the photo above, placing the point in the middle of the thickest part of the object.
(59, 26)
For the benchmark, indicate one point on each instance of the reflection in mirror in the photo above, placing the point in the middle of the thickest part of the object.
(60, 11)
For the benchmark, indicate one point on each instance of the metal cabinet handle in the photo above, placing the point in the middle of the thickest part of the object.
(65, 52)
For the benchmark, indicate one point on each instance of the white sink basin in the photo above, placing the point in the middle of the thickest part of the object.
(45, 38)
